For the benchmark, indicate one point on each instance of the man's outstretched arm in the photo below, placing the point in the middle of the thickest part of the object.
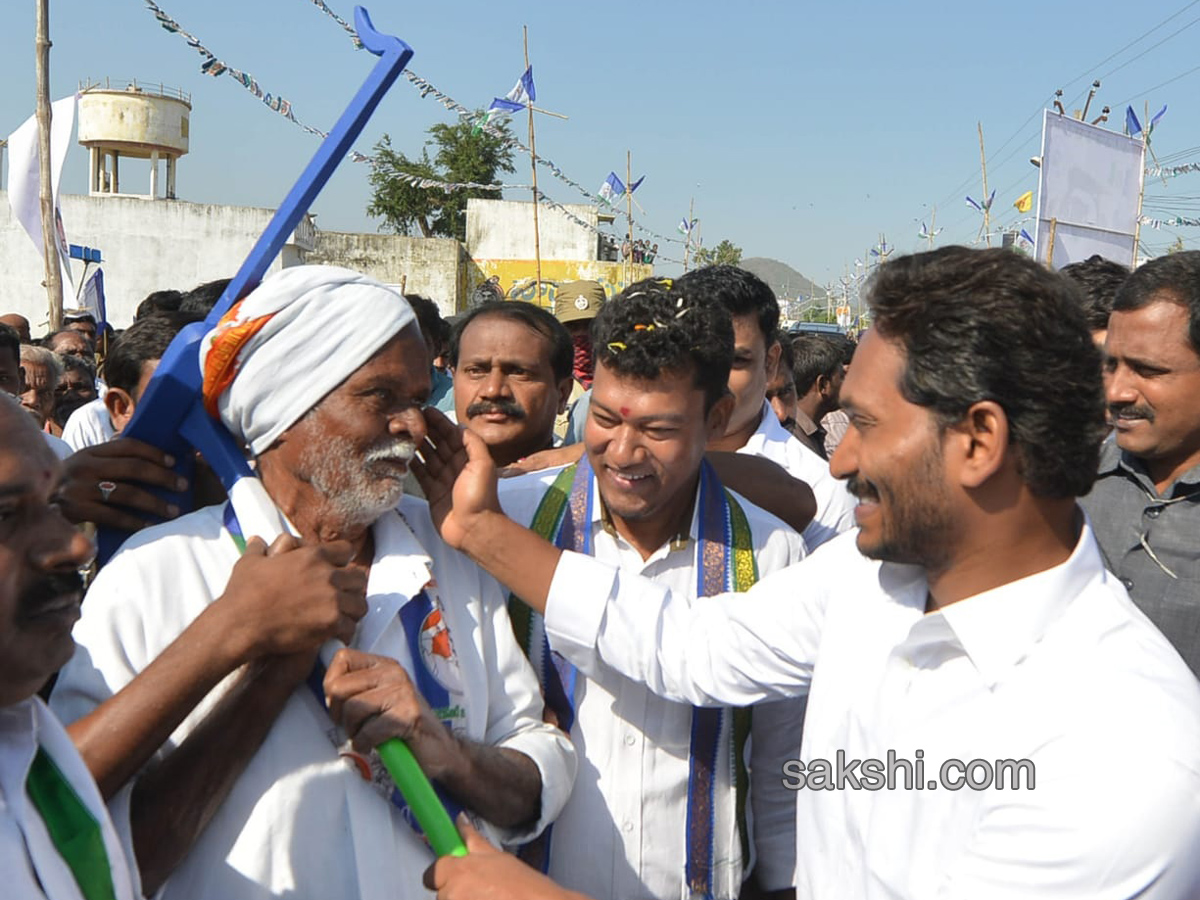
(732, 649)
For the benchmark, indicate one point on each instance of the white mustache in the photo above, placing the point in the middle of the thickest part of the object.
(402, 450)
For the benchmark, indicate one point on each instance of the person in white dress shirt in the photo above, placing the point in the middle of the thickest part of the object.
(56, 838)
(753, 426)
(968, 624)
(270, 784)
(644, 499)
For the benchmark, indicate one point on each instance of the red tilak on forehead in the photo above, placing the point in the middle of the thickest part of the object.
(624, 410)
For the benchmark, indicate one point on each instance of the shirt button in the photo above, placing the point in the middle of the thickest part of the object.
(629, 739)
(1154, 512)
(627, 827)
(1128, 582)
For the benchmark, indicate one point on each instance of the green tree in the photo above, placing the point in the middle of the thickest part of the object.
(725, 253)
(460, 154)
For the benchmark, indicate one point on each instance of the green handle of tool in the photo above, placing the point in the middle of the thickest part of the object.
(421, 798)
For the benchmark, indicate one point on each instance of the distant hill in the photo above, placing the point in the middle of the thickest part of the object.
(783, 279)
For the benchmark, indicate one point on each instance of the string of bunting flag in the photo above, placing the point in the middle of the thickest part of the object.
(483, 121)
(215, 67)
(1185, 221)
(1172, 171)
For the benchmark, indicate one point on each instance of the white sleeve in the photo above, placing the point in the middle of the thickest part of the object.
(728, 650)
(515, 716)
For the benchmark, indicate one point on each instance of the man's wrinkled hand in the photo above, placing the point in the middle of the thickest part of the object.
(134, 468)
(292, 598)
(374, 700)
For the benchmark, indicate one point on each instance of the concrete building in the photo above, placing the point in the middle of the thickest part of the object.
(501, 249)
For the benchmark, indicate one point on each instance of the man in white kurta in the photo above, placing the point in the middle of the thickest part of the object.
(53, 822)
(320, 372)
(623, 832)
(32, 865)
(302, 819)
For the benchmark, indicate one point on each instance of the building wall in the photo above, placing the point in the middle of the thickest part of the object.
(147, 245)
(503, 229)
(431, 267)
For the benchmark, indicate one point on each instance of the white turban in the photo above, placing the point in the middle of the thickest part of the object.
(293, 339)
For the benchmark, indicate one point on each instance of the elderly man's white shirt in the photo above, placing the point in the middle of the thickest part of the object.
(30, 864)
(299, 821)
(835, 505)
(623, 832)
(1059, 668)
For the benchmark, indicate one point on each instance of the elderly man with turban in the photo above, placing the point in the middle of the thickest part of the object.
(269, 786)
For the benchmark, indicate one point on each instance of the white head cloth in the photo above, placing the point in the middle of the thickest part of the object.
(325, 322)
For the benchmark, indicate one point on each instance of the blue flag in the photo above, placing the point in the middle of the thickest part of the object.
(612, 188)
(633, 187)
(1132, 126)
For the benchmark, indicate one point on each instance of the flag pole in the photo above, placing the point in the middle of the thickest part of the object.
(537, 242)
(1137, 223)
(54, 285)
(987, 207)
(629, 209)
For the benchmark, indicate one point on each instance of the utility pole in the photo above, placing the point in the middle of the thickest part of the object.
(687, 235)
(987, 206)
(537, 240)
(54, 285)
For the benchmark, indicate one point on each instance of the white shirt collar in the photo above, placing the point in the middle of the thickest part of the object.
(997, 628)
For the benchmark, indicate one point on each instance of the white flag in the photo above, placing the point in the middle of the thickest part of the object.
(24, 177)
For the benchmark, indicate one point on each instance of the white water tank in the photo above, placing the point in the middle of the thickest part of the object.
(135, 119)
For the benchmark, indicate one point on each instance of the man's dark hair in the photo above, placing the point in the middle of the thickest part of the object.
(79, 364)
(202, 298)
(1174, 277)
(49, 340)
(562, 353)
(742, 293)
(433, 327)
(993, 325)
(651, 328)
(66, 402)
(814, 355)
(10, 341)
(144, 341)
(158, 302)
(1098, 280)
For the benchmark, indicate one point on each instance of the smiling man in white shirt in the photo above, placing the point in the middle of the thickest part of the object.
(969, 618)
(663, 806)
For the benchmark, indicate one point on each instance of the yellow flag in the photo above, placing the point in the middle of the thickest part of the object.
(1024, 202)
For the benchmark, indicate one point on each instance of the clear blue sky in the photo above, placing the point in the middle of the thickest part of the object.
(803, 130)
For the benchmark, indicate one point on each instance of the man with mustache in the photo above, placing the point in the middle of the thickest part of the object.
(663, 805)
(967, 623)
(1145, 506)
(56, 838)
(271, 785)
(512, 376)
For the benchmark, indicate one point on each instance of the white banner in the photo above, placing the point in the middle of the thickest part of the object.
(1088, 189)
(24, 176)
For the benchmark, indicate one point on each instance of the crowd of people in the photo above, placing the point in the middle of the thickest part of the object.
(665, 601)
(638, 251)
